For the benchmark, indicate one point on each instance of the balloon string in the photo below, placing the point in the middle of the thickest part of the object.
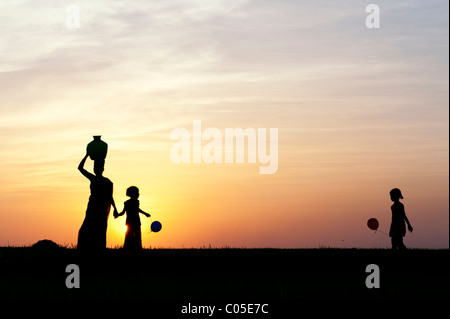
(150, 226)
(381, 232)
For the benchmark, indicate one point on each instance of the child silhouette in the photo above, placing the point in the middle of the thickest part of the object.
(398, 228)
(133, 241)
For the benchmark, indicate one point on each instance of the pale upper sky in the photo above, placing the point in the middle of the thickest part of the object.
(359, 111)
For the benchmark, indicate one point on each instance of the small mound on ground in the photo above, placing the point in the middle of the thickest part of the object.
(45, 244)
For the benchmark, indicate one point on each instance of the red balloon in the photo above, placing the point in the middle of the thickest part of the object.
(372, 223)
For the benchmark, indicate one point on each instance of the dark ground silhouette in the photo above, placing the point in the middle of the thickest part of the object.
(227, 275)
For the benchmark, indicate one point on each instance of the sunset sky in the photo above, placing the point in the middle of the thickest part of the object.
(359, 111)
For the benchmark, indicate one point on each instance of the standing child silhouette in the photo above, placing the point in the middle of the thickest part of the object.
(133, 241)
(398, 228)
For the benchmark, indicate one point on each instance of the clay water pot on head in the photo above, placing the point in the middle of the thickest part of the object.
(97, 149)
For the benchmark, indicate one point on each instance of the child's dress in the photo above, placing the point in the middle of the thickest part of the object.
(133, 241)
(398, 227)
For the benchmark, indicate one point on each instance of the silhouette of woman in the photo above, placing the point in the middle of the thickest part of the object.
(398, 228)
(92, 234)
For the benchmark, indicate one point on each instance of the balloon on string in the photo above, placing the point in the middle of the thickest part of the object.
(372, 223)
(155, 226)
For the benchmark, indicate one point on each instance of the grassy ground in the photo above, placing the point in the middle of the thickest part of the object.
(259, 275)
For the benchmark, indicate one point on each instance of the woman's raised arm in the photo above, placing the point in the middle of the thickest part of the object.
(82, 170)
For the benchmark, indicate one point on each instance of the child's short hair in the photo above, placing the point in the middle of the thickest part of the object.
(396, 193)
(133, 191)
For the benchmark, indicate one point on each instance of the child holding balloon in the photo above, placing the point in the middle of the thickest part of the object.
(398, 228)
(133, 240)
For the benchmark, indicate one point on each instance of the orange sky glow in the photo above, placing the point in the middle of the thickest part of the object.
(358, 111)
